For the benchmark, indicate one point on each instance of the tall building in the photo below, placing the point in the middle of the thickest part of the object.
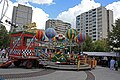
(21, 15)
(96, 23)
(58, 25)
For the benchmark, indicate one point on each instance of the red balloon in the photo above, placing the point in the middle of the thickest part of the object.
(81, 37)
(39, 34)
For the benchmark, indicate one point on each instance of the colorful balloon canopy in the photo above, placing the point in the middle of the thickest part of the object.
(50, 33)
(71, 33)
(39, 34)
(76, 40)
(43, 38)
(81, 37)
(54, 39)
(66, 39)
(60, 37)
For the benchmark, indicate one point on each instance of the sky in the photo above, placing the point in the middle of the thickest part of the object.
(65, 10)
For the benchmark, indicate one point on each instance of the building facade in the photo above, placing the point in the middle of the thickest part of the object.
(59, 26)
(21, 15)
(96, 23)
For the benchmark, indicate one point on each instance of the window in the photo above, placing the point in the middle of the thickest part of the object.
(86, 30)
(94, 32)
(27, 41)
(16, 41)
(94, 29)
(86, 21)
(94, 15)
(86, 27)
(94, 25)
(94, 35)
(78, 29)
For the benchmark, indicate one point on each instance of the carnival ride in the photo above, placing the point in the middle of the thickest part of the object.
(26, 49)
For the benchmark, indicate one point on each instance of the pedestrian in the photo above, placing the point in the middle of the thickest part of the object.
(3, 52)
(116, 65)
(112, 63)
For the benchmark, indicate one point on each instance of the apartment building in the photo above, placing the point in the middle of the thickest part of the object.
(21, 15)
(58, 25)
(96, 23)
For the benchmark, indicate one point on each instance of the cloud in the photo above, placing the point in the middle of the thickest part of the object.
(115, 7)
(39, 16)
(36, 1)
(70, 15)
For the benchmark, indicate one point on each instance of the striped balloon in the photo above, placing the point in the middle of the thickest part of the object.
(39, 34)
(50, 33)
(81, 37)
(71, 33)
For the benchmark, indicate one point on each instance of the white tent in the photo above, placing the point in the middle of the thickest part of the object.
(101, 53)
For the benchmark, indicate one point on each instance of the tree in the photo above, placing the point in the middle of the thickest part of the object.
(101, 46)
(88, 44)
(114, 35)
(4, 36)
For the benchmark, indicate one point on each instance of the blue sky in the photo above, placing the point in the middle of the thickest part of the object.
(59, 6)
(62, 5)
(65, 10)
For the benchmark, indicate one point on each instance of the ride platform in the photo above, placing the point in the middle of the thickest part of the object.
(68, 67)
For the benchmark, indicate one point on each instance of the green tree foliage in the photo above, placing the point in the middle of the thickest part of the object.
(114, 35)
(4, 37)
(88, 45)
(101, 46)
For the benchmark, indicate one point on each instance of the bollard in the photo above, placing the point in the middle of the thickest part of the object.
(78, 65)
(91, 64)
(50, 57)
(85, 60)
(95, 63)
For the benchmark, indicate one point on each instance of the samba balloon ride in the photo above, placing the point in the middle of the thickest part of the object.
(23, 49)
(80, 39)
(70, 34)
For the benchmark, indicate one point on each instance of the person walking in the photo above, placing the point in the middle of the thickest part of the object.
(112, 64)
(3, 52)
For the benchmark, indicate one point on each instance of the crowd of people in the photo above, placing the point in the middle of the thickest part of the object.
(110, 62)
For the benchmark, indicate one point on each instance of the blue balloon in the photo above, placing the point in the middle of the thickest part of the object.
(50, 33)
(81, 37)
